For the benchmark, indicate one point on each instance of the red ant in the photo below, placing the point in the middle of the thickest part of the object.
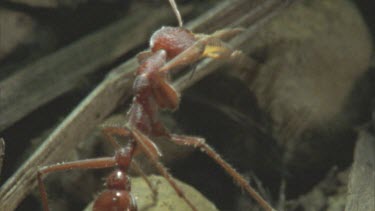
(170, 48)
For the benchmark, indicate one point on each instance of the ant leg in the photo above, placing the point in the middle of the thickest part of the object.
(238, 178)
(226, 34)
(207, 46)
(143, 55)
(187, 57)
(142, 141)
(165, 95)
(139, 170)
(108, 133)
(217, 49)
(223, 34)
(96, 163)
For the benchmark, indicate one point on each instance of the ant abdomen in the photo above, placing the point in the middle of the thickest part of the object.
(174, 40)
(117, 196)
(115, 200)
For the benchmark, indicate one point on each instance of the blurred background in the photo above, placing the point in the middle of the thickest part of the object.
(291, 124)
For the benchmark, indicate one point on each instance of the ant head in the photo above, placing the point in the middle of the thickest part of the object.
(173, 40)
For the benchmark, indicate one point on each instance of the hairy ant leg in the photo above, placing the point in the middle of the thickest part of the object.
(137, 168)
(117, 194)
(152, 152)
(95, 163)
(239, 56)
(225, 34)
(200, 143)
(142, 141)
(207, 46)
(108, 133)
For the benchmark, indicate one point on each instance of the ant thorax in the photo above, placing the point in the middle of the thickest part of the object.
(148, 97)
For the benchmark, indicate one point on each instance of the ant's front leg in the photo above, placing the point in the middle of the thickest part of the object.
(200, 143)
(226, 34)
(207, 46)
(187, 57)
(142, 56)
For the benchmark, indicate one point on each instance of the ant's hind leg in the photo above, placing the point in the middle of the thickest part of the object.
(200, 143)
(137, 168)
(142, 141)
(108, 133)
(96, 163)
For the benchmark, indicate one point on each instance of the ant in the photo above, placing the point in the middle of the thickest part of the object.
(170, 48)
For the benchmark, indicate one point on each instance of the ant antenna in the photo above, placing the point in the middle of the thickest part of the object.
(176, 12)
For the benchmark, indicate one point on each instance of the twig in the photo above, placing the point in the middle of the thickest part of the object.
(58, 73)
(2, 153)
(105, 98)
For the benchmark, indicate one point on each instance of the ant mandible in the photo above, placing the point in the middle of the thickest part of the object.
(170, 48)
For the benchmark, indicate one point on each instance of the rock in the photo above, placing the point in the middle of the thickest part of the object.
(311, 57)
(361, 193)
(329, 194)
(167, 199)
